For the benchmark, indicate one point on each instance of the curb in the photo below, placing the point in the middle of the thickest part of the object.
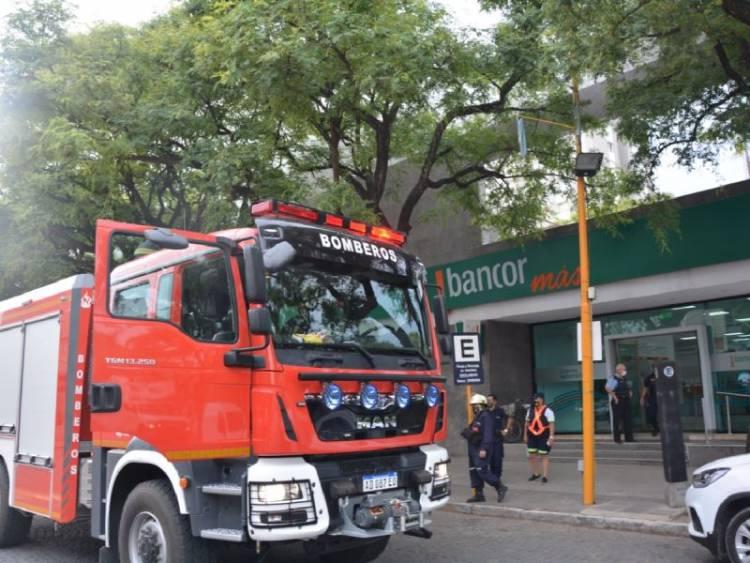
(573, 519)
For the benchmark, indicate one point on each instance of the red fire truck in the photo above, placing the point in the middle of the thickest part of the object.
(258, 385)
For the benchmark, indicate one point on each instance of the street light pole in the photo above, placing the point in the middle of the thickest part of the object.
(587, 363)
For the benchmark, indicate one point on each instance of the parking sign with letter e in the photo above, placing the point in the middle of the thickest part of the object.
(467, 359)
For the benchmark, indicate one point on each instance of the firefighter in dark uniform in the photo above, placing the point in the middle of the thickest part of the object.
(620, 393)
(480, 436)
(501, 424)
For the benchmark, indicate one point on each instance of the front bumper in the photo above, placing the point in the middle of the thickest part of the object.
(336, 504)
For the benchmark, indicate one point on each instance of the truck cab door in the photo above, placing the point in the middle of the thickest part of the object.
(165, 314)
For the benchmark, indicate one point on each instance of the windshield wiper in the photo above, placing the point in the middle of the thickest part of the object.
(359, 348)
(347, 346)
(404, 351)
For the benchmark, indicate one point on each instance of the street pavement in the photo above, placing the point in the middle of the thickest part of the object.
(635, 492)
(623, 491)
(458, 538)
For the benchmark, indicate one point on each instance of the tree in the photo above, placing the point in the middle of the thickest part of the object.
(355, 84)
(114, 123)
(677, 72)
(178, 122)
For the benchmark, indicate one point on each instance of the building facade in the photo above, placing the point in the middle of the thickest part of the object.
(689, 303)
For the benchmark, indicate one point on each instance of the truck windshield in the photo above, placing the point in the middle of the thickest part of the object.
(347, 311)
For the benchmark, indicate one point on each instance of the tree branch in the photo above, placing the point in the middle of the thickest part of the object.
(731, 73)
(421, 185)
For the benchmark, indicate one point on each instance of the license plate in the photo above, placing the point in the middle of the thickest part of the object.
(380, 481)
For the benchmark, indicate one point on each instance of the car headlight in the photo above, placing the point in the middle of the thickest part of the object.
(705, 478)
(272, 493)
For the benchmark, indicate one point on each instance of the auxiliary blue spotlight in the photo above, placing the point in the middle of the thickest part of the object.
(432, 395)
(403, 396)
(369, 396)
(332, 396)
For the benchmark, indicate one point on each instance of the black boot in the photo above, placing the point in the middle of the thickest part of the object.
(478, 497)
(501, 490)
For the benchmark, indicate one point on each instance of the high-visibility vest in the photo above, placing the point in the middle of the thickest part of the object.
(539, 424)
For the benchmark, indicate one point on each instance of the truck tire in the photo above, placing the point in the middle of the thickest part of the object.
(370, 550)
(152, 530)
(737, 536)
(14, 524)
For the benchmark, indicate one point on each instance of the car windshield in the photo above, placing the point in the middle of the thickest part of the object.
(350, 310)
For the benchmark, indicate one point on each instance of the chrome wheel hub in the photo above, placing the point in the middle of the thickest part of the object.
(146, 542)
(742, 541)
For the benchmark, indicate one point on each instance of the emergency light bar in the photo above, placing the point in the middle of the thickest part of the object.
(296, 211)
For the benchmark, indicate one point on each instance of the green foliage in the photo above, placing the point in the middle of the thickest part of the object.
(118, 123)
(677, 71)
(185, 120)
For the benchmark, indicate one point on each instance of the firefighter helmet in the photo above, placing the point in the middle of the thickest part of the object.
(478, 399)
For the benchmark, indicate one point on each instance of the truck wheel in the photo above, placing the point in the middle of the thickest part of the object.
(14, 524)
(152, 530)
(369, 550)
(737, 536)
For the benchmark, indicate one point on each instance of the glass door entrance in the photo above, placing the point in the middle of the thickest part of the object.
(640, 356)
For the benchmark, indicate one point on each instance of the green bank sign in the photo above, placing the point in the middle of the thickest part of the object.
(711, 233)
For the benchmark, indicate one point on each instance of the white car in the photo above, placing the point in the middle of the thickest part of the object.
(718, 501)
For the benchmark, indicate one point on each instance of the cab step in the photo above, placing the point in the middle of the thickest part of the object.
(222, 489)
(223, 534)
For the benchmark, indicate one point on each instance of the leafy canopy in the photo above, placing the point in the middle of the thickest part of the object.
(677, 72)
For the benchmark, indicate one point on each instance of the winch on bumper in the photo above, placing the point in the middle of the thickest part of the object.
(295, 499)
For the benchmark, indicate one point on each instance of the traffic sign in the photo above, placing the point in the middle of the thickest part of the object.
(467, 359)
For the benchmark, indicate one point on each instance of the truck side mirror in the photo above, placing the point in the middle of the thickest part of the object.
(441, 318)
(255, 274)
(279, 257)
(260, 321)
(164, 238)
(445, 345)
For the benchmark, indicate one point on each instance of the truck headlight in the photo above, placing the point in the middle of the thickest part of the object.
(441, 471)
(281, 504)
(705, 478)
(441, 481)
(273, 493)
(432, 395)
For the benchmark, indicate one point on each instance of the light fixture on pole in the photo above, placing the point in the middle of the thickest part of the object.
(588, 164)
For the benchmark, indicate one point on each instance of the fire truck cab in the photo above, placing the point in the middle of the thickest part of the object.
(257, 385)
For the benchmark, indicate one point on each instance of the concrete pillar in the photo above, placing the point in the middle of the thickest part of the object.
(508, 360)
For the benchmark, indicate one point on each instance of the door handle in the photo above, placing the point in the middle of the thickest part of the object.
(105, 397)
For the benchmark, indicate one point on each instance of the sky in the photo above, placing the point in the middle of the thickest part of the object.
(672, 179)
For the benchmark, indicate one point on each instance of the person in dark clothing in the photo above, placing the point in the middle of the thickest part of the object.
(501, 427)
(480, 435)
(620, 393)
(648, 400)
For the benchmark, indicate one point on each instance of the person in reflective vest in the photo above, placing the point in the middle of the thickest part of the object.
(480, 436)
(539, 435)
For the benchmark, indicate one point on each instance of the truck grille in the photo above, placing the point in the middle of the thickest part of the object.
(354, 422)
